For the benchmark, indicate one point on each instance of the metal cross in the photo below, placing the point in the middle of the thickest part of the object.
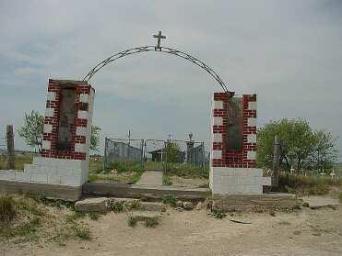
(159, 36)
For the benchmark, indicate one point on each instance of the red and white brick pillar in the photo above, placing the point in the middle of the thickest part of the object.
(67, 131)
(233, 146)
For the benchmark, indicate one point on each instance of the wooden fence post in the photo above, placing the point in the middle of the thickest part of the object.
(276, 158)
(10, 147)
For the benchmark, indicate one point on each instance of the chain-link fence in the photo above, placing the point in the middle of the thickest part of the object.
(154, 154)
(3, 152)
(123, 151)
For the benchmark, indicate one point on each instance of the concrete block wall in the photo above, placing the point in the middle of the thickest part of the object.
(234, 172)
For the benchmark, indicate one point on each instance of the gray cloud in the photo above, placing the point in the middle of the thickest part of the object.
(286, 51)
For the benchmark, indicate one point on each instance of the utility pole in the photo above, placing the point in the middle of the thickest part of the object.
(10, 147)
(276, 159)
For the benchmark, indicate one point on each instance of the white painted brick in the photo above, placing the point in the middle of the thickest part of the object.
(82, 114)
(251, 122)
(252, 105)
(218, 120)
(81, 131)
(79, 147)
(217, 154)
(54, 179)
(251, 138)
(84, 98)
(51, 96)
(217, 137)
(218, 104)
(46, 145)
(39, 178)
(49, 112)
(251, 155)
(71, 180)
(47, 128)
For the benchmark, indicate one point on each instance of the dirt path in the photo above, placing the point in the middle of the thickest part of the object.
(151, 178)
(307, 232)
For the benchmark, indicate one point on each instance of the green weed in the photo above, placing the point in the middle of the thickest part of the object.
(169, 199)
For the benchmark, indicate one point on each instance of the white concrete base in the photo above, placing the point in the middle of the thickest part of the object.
(237, 181)
(50, 171)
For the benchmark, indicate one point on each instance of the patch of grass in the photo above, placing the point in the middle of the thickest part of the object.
(132, 205)
(167, 180)
(82, 232)
(311, 185)
(27, 229)
(218, 213)
(170, 200)
(28, 218)
(187, 171)
(132, 221)
(94, 215)
(151, 222)
(124, 171)
(20, 161)
(7, 209)
(74, 216)
(117, 206)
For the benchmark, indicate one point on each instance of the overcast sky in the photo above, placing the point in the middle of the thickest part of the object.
(288, 52)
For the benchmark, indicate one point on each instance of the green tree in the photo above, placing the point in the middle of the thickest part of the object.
(32, 130)
(324, 152)
(300, 144)
(95, 137)
(173, 152)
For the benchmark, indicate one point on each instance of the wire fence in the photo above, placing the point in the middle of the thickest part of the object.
(3, 146)
(154, 153)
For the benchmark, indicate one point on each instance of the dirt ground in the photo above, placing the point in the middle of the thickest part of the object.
(305, 232)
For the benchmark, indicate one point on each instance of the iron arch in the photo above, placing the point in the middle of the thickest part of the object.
(167, 50)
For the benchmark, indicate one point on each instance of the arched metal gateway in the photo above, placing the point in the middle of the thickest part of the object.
(158, 48)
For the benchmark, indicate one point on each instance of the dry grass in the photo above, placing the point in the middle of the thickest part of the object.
(129, 172)
(20, 161)
(307, 185)
(34, 220)
(7, 209)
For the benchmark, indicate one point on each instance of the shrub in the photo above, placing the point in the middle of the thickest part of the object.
(132, 221)
(218, 213)
(7, 209)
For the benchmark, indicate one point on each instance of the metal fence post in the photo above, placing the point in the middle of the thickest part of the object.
(142, 153)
